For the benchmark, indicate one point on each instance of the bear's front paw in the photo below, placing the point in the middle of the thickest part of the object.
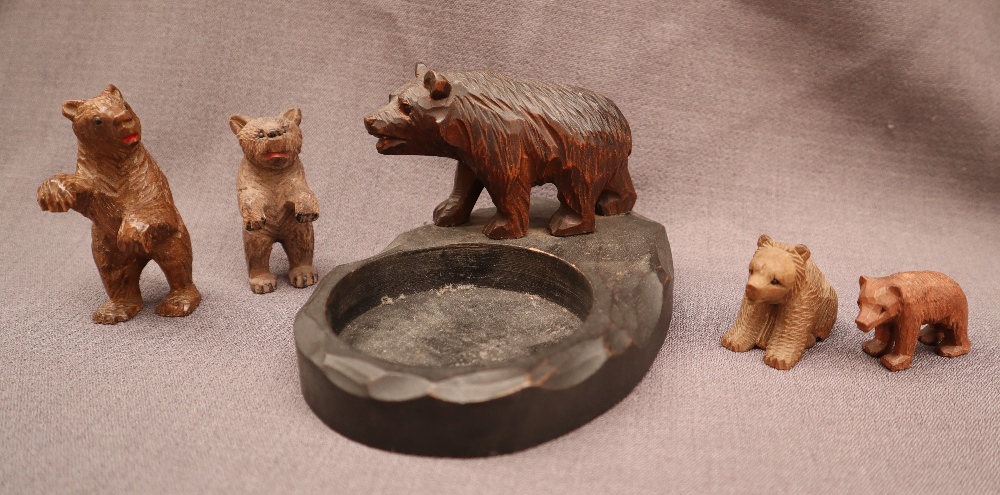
(57, 194)
(254, 222)
(779, 361)
(263, 284)
(451, 212)
(896, 362)
(306, 217)
(500, 227)
(302, 276)
(875, 348)
(731, 343)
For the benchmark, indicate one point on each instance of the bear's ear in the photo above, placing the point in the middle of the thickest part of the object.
(862, 281)
(237, 122)
(293, 114)
(764, 240)
(803, 251)
(113, 91)
(438, 86)
(420, 69)
(70, 108)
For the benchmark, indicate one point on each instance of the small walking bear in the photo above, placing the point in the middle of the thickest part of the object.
(508, 135)
(898, 305)
(275, 200)
(787, 305)
(119, 187)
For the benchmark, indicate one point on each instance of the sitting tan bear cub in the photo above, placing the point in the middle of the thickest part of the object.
(275, 200)
(787, 305)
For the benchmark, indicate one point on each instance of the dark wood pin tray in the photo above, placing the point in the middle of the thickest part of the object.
(450, 344)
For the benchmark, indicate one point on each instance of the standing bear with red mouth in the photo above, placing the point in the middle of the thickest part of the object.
(120, 188)
(508, 135)
(275, 201)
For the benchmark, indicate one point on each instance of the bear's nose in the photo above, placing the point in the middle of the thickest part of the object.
(751, 291)
(273, 133)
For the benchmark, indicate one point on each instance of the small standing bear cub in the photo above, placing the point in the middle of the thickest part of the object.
(275, 200)
(787, 306)
(119, 187)
(898, 305)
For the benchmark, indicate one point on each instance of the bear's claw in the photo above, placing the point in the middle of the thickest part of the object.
(302, 276)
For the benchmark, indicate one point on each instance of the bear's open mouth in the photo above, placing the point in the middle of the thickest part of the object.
(386, 142)
(131, 138)
(275, 154)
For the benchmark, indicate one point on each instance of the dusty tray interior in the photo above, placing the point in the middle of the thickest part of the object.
(459, 305)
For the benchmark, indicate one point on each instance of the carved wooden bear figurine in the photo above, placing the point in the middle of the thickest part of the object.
(787, 305)
(119, 187)
(275, 200)
(509, 135)
(898, 305)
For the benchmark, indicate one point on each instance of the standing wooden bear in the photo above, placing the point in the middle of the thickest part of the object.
(119, 187)
(275, 200)
(509, 135)
(898, 305)
(787, 305)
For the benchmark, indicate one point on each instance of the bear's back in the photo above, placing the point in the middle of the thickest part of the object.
(491, 98)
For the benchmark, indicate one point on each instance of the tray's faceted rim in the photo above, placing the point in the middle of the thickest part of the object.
(610, 329)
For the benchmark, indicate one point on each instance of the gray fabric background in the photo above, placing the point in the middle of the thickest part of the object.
(867, 129)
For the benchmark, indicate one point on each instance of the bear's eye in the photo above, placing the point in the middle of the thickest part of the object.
(97, 121)
(260, 133)
(284, 130)
(751, 271)
(404, 106)
(775, 281)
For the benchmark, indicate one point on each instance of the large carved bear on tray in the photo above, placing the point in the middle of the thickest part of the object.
(509, 135)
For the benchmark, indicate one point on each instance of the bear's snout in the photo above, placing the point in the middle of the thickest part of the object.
(752, 292)
(373, 125)
(862, 325)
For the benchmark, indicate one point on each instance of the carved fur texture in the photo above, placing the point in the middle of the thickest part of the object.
(897, 306)
(508, 135)
(787, 305)
(275, 201)
(119, 187)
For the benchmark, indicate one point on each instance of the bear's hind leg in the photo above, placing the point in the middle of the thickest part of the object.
(956, 338)
(932, 334)
(618, 196)
(298, 245)
(175, 259)
(120, 275)
(257, 245)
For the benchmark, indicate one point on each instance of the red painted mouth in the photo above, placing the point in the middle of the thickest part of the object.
(275, 154)
(131, 138)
